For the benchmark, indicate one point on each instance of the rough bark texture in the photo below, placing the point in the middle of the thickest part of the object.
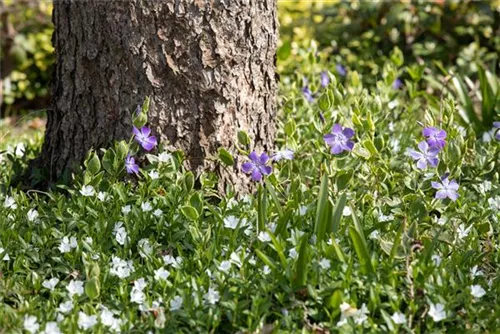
(208, 66)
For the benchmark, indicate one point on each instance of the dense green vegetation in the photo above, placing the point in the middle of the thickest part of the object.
(360, 240)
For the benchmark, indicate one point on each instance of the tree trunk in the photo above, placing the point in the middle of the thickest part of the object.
(208, 66)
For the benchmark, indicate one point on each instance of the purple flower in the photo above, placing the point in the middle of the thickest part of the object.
(308, 94)
(425, 156)
(338, 139)
(257, 166)
(446, 189)
(285, 154)
(130, 165)
(397, 84)
(341, 70)
(435, 137)
(325, 79)
(143, 137)
(497, 125)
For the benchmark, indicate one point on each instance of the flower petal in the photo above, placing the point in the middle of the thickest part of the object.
(263, 158)
(423, 146)
(266, 170)
(247, 167)
(348, 133)
(254, 157)
(421, 164)
(136, 131)
(336, 148)
(429, 131)
(436, 185)
(256, 175)
(145, 131)
(337, 128)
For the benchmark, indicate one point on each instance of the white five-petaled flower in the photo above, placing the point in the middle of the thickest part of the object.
(437, 312)
(102, 196)
(302, 210)
(264, 236)
(374, 235)
(87, 191)
(176, 303)
(164, 157)
(126, 209)
(436, 259)
(225, 266)
(494, 203)
(161, 274)
(347, 211)
(51, 327)
(475, 272)
(325, 264)
(67, 244)
(212, 296)
(383, 218)
(398, 318)
(154, 175)
(121, 268)
(6, 257)
(293, 253)
(108, 319)
(86, 321)
(266, 270)
(462, 231)
(137, 295)
(231, 222)
(65, 307)
(145, 248)
(285, 154)
(146, 207)
(50, 283)
(477, 291)
(31, 324)
(174, 262)
(75, 287)
(20, 148)
(10, 203)
(157, 213)
(347, 311)
(32, 215)
(120, 233)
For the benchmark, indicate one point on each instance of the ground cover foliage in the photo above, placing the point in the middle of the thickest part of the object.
(377, 212)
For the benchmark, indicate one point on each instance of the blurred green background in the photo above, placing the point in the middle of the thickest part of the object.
(435, 36)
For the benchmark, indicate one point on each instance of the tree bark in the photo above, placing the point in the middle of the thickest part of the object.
(207, 65)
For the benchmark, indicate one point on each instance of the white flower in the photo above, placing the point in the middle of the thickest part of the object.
(146, 207)
(436, 259)
(462, 131)
(212, 296)
(484, 187)
(361, 315)
(374, 235)
(235, 258)
(325, 264)
(102, 196)
(145, 248)
(121, 268)
(174, 262)
(60, 317)
(126, 209)
(398, 318)
(10, 203)
(75, 288)
(73, 243)
(31, 324)
(347, 211)
(108, 319)
(302, 210)
(88, 240)
(474, 272)
(232, 203)
(154, 175)
(164, 157)
(140, 284)
(51, 283)
(346, 311)
(87, 191)
(272, 227)
(120, 233)
(51, 328)
(477, 291)
(488, 135)
(225, 266)
(157, 213)
(285, 154)
(86, 321)
(136, 295)
(6, 257)
(67, 244)
(441, 221)
(383, 218)
(65, 307)
(161, 274)
(295, 237)
(437, 312)
(494, 203)
(20, 148)
(462, 231)
(264, 236)
(231, 222)
(293, 253)
(266, 270)
(32, 215)
(176, 303)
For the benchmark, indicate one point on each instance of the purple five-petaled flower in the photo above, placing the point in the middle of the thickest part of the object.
(308, 94)
(130, 165)
(257, 166)
(341, 70)
(497, 126)
(435, 137)
(325, 79)
(143, 137)
(339, 139)
(397, 84)
(427, 155)
(446, 189)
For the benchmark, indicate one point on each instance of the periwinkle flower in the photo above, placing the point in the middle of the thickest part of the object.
(257, 166)
(446, 189)
(130, 165)
(397, 84)
(325, 79)
(427, 155)
(144, 138)
(435, 137)
(341, 70)
(308, 94)
(286, 154)
(339, 139)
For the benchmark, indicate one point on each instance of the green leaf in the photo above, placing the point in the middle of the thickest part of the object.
(265, 259)
(190, 212)
(302, 264)
(337, 214)
(92, 288)
(93, 164)
(321, 210)
(226, 157)
(243, 138)
(275, 198)
(285, 50)
(361, 251)
(261, 207)
(324, 102)
(488, 101)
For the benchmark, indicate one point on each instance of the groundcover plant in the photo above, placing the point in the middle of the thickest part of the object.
(378, 212)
